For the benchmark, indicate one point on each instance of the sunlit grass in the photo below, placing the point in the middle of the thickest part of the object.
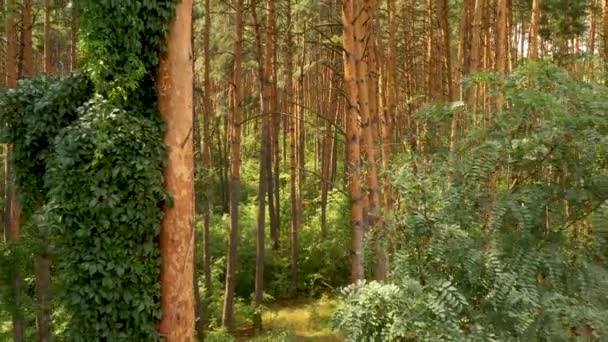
(307, 320)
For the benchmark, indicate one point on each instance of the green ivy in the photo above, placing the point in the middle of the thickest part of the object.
(120, 41)
(88, 155)
(106, 185)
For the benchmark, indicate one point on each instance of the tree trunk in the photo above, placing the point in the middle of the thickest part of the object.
(42, 267)
(206, 151)
(293, 148)
(48, 66)
(501, 49)
(74, 36)
(235, 179)
(357, 16)
(502, 42)
(605, 35)
(534, 22)
(174, 88)
(28, 58)
(14, 210)
(328, 140)
(11, 45)
(389, 110)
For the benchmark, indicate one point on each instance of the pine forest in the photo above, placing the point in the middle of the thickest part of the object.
(303, 170)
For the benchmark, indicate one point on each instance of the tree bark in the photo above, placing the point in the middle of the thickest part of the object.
(28, 58)
(42, 273)
(74, 36)
(14, 210)
(534, 22)
(293, 146)
(48, 65)
(235, 180)
(605, 35)
(11, 45)
(357, 16)
(502, 42)
(174, 88)
(206, 151)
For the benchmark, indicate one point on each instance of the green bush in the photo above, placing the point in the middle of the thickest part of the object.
(106, 185)
(506, 238)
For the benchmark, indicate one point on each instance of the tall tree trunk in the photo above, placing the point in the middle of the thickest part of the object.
(14, 210)
(265, 58)
(502, 42)
(389, 110)
(299, 145)
(74, 36)
(328, 140)
(48, 65)
(3, 41)
(534, 22)
(592, 29)
(11, 44)
(292, 121)
(206, 151)
(476, 50)
(28, 58)
(274, 128)
(42, 272)
(605, 35)
(357, 16)
(367, 138)
(174, 90)
(235, 178)
(501, 49)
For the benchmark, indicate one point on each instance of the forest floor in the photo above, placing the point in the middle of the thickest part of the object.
(284, 321)
(301, 320)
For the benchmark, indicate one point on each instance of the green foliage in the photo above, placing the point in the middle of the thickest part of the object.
(89, 172)
(33, 114)
(359, 300)
(505, 239)
(121, 40)
(103, 212)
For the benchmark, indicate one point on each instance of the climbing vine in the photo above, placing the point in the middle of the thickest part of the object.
(88, 158)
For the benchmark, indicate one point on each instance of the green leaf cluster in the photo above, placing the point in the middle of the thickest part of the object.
(505, 238)
(103, 211)
(88, 157)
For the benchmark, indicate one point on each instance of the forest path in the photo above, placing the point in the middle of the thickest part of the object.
(301, 320)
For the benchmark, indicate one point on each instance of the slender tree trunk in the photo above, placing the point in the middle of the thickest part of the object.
(592, 29)
(502, 42)
(274, 129)
(14, 210)
(390, 106)
(534, 22)
(48, 66)
(11, 45)
(42, 272)
(235, 179)
(299, 145)
(3, 43)
(74, 36)
(174, 89)
(328, 140)
(292, 121)
(206, 151)
(28, 58)
(605, 35)
(501, 49)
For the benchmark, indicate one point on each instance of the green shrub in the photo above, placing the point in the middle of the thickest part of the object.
(506, 238)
